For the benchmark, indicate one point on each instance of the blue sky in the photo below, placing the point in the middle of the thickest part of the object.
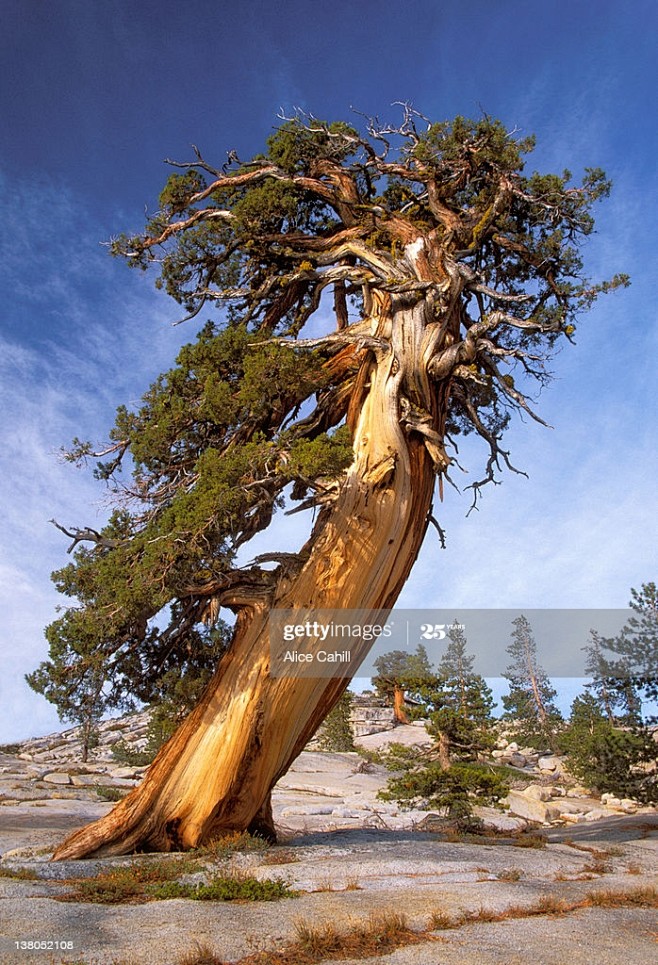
(95, 95)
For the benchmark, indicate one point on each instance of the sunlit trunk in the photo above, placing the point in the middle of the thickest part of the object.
(217, 771)
(399, 710)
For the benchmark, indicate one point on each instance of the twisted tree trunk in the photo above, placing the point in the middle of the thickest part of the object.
(217, 771)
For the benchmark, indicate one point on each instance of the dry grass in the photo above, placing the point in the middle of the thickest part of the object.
(551, 905)
(280, 856)
(326, 885)
(646, 897)
(381, 934)
(24, 874)
(531, 839)
(598, 866)
(377, 935)
(234, 842)
(201, 955)
(600, 854)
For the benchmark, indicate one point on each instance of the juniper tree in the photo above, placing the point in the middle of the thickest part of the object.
(396, 671)
(366, 296)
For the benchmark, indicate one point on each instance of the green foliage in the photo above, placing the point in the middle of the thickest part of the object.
(79, 698)
(248, 416)
(453, 791)
(615, 696)
(226, 888)
(124, 753)
(609, 758)
(530, 700)
(457, 702)
(295, 146)
(458, 706)
(336, 732)
(399, 669)
(632, 656)
(130, 883)
(108, 793)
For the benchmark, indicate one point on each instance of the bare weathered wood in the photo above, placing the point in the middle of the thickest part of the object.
(217, 771)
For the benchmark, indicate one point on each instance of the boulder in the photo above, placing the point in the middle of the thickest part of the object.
(493, 820)
(88, 780)
(516, 760)
(550, 763)
(531, 809)
(596, 814)
(538, 792)
(573, 817)
(57, 777)
(128, 772)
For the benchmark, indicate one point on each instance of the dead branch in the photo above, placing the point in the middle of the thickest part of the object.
(86, 535)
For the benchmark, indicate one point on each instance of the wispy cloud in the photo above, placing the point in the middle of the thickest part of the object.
(109, 336)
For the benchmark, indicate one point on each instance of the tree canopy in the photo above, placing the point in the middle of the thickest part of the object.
(531, 694)
(295, 261)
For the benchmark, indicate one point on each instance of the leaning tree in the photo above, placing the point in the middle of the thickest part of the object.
(380, 291)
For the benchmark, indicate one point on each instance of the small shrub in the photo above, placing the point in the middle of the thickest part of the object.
(336, 731)
(129, 883)
(232, 843)
(108, 793)
(110, 888)
(453, 790)
(25, 874)
(10, 748)
(531, 840)
(123, 753)
(509, 874)
(226, 888)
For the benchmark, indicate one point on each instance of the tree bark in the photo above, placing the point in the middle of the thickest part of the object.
(216, 773)
(444, 751)
(399, 711)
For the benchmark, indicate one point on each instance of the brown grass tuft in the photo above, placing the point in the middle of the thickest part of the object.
(201, 955)
(373, 936)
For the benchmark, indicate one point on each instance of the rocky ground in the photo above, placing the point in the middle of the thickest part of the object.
(348, 855)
